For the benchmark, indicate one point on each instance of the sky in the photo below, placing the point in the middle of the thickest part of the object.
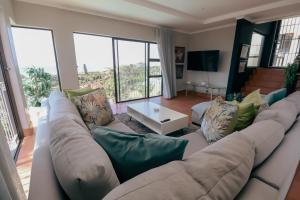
(34, 47)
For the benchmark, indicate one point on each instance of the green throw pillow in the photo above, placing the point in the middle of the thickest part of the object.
(275, 96)
(255, 98)
(70, 93)
(246, 115)
(132, 154)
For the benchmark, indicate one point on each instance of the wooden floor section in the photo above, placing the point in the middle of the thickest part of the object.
(181, 104)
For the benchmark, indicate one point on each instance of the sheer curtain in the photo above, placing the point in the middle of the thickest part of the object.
(166, 48)
(10, 184)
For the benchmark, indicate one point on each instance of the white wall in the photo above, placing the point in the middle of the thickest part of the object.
(220, 39)
(64, 23)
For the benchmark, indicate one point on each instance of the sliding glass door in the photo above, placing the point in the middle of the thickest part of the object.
(127, 69)
(131, 69)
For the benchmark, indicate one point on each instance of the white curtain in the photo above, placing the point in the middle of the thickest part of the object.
(10, 184)
(166, 49)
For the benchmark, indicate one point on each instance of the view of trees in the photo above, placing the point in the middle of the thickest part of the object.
(131, 81)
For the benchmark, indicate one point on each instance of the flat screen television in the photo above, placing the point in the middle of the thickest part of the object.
(203, 60)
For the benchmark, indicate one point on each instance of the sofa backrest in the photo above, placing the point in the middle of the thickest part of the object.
(219, 171)
(60, 106)
(283, 112)
(266, 136)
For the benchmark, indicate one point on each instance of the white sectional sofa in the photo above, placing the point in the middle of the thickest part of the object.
(258, 162)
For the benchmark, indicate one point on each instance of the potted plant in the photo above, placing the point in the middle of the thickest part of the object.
(291, 77)
(37, 85)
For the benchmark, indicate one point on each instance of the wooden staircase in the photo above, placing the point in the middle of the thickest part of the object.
(265, 79)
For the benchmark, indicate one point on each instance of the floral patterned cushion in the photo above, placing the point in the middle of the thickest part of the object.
(219, 120)
(94, 108)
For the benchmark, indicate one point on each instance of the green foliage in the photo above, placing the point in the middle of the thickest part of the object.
(37, 85)
(291, 77)
(132, 81)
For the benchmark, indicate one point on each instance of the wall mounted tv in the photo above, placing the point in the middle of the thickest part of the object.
(203, 60)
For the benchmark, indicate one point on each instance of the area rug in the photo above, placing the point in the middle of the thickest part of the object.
(140, 128)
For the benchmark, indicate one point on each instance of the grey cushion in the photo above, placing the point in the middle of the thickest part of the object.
(81, 165)
(295, 98)
(275, 170)
(119, 126)
(266, 136)
(217, 172)
(196, 142)
(198, 111)
(258, 190)
(284, 112)
(60, 106)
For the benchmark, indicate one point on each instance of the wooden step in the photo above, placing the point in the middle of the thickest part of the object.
(270, 72)
(263, 83)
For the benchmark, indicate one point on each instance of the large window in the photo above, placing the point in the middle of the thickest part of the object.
(287, 44)
(94, 55)
(257, 43)
(37, 62)
(127, 69)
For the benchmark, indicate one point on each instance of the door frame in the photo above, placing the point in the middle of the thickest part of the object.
(4, 69)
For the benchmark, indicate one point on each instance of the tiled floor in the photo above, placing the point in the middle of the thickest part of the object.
(181, 103)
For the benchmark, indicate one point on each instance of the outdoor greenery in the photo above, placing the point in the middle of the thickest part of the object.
(291, 77)
(132, 81)
(37, 85)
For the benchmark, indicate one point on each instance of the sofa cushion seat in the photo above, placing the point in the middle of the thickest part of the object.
(275, 170)
(119, 126)
(258, 190)
(196, 143)
(217, 172)
(266, 136)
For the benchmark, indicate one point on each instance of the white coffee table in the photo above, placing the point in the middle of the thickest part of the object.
(151, 115)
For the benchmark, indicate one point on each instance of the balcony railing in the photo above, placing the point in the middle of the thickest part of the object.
(7, 124)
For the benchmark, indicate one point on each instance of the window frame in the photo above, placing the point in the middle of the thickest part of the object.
(116, 64)
(54, 48)
(259, 56)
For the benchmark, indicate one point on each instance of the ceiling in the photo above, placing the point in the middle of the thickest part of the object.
(188, 16)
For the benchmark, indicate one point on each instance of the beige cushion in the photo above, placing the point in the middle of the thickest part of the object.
(258, 190)
(284, 112)
(295, 98)
(266, 136)
(196, 142)
(81, 165)
(119, 126)
(276, 169)
(217, 172)
(60, 107)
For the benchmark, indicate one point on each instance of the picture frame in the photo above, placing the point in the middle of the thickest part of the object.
(242, 66)
(179, 54)
(245, 51)
(179, 71)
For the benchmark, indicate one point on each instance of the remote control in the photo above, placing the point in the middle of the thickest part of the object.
(165, 120)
